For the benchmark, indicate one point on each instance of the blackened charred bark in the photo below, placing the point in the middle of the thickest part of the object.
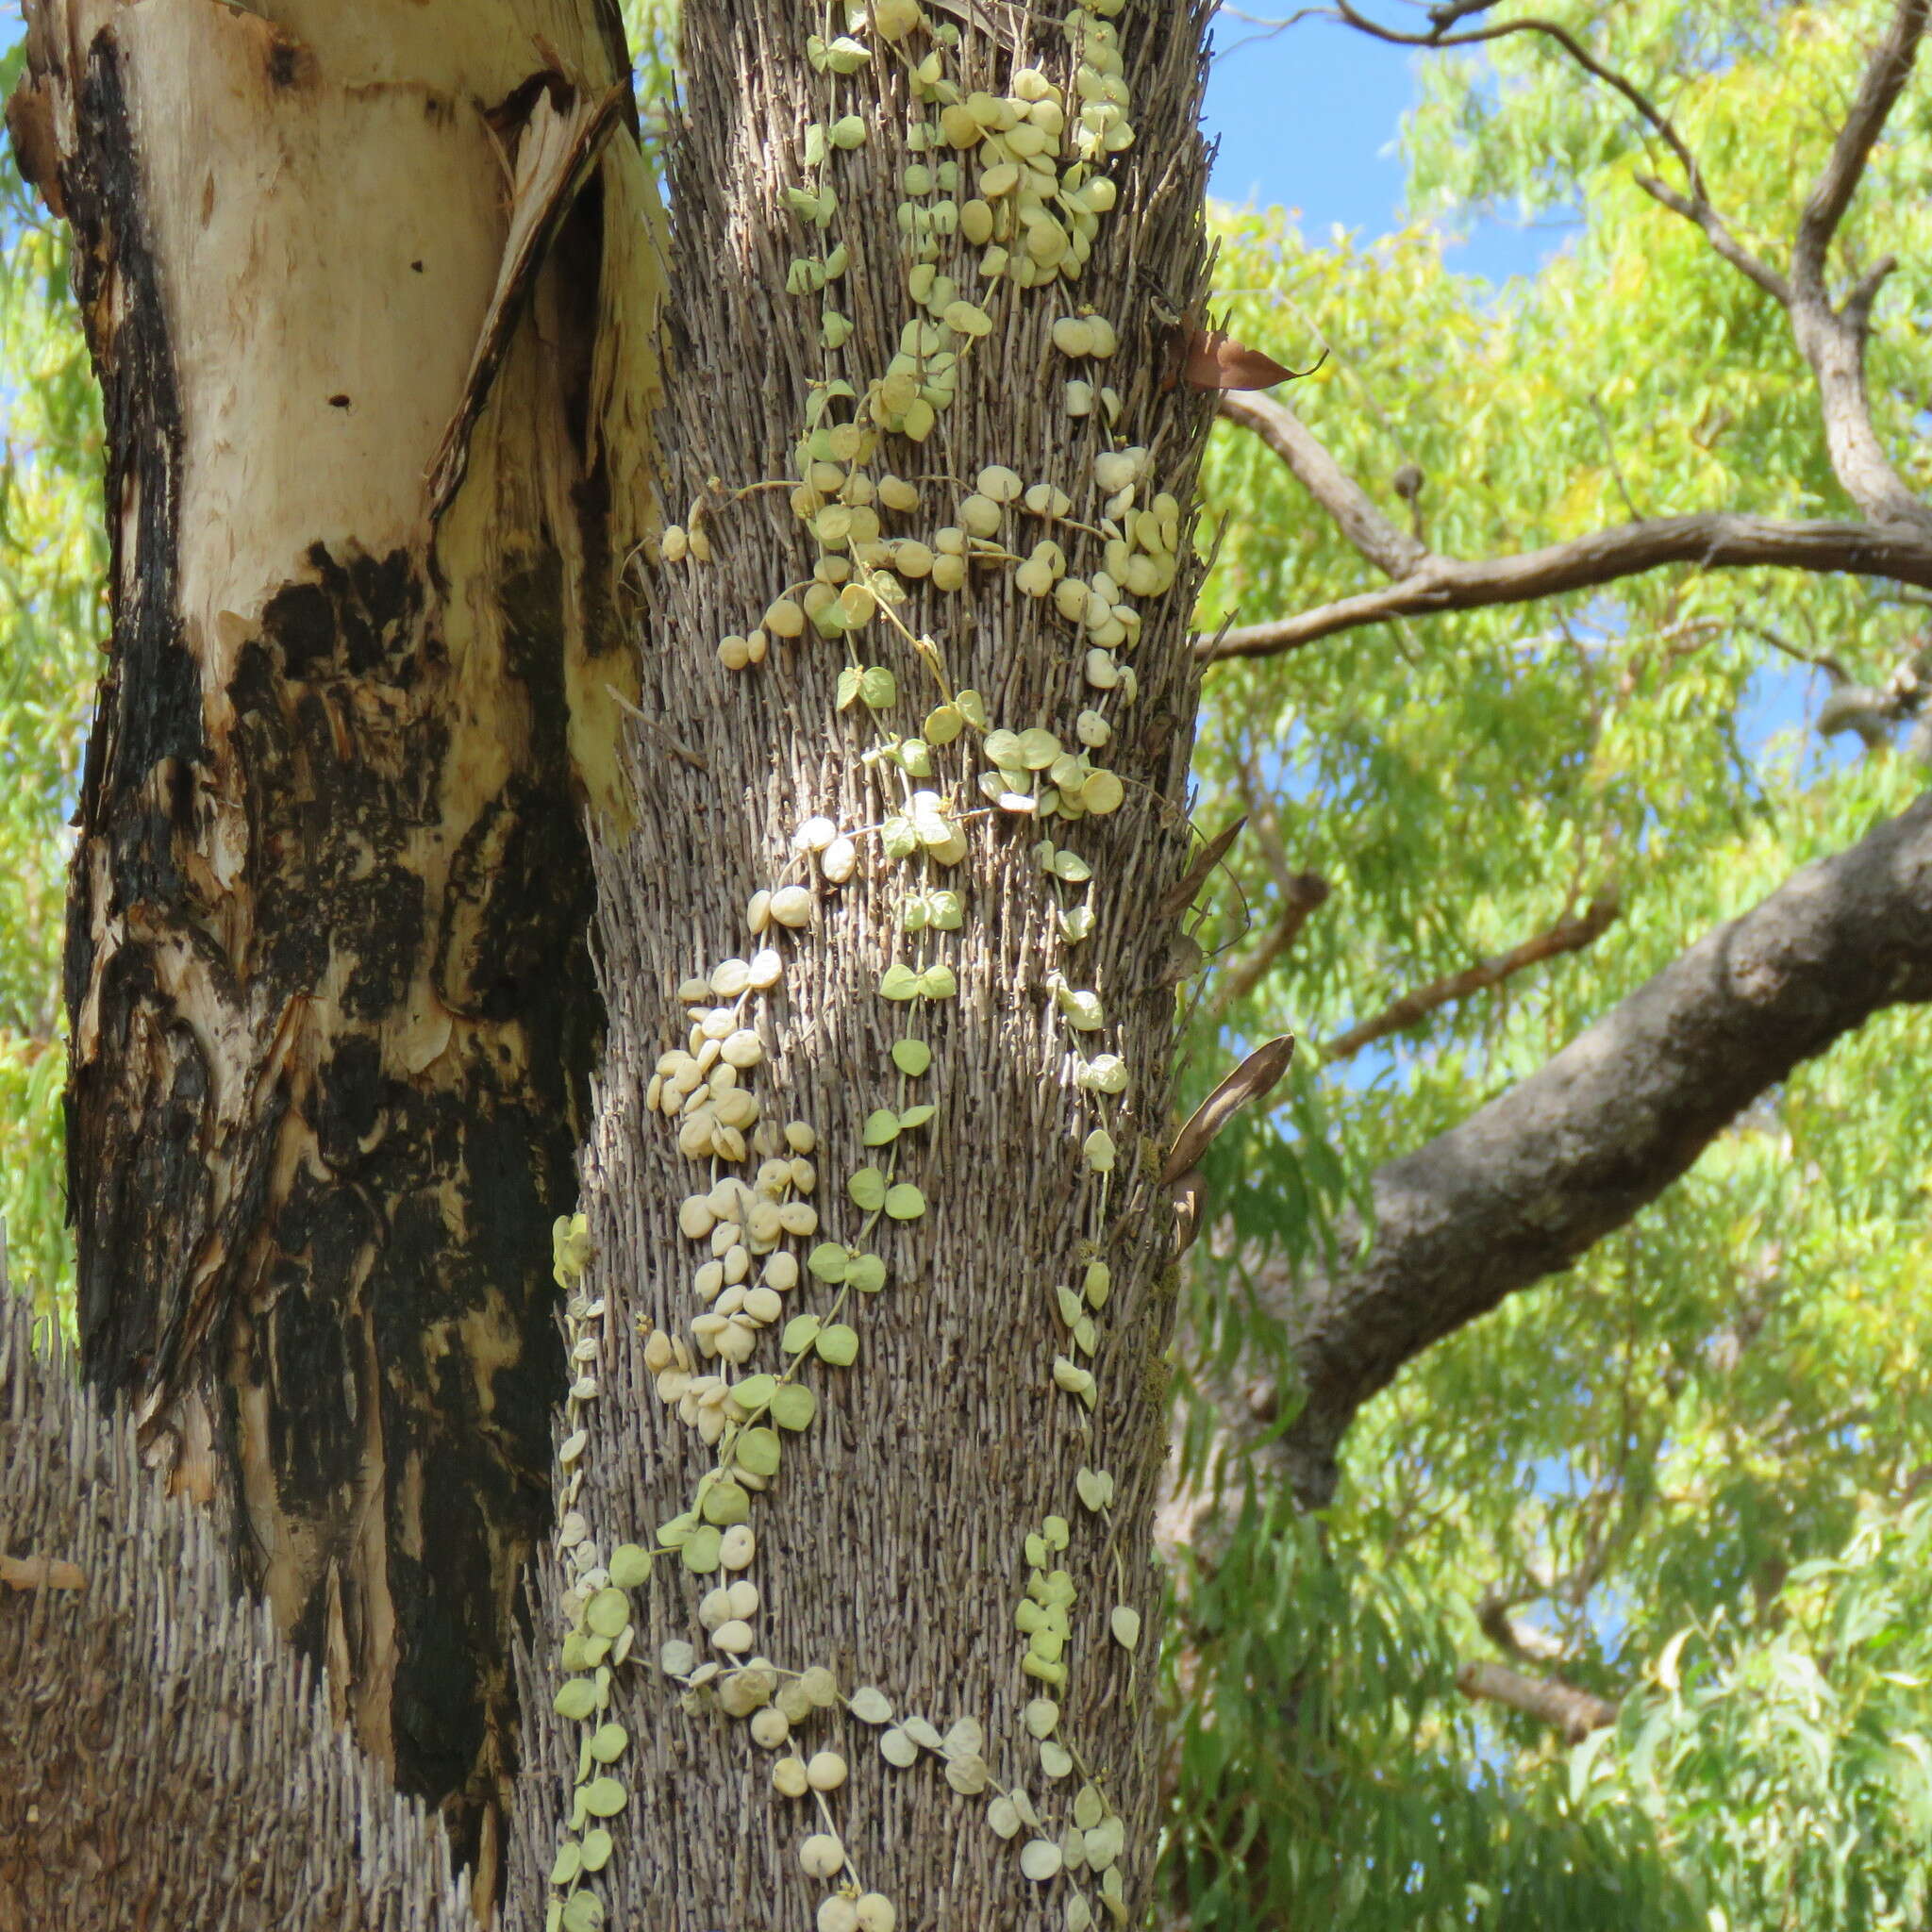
(1524, 1186)
(332, 1006)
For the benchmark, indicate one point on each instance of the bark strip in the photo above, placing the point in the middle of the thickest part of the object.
(331, 1001)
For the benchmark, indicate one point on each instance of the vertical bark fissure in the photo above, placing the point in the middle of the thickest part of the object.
(333, 1012)
(890, 1547)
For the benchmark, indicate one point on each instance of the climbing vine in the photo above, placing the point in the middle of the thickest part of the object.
(1006, 192)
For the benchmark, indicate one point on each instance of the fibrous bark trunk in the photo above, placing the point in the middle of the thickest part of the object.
(371, 292)
(872, 1339)
(164, 1759)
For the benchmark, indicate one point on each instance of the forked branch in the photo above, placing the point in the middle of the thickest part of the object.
(1896, 544)
(1529, 1182)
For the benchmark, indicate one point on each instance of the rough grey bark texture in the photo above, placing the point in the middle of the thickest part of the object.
(1525, 1185)
(332, 1010)
(889, 1545)
(165, 1759)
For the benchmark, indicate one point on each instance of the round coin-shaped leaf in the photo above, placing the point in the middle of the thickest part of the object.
(583, 1911)
(1039, 1860)
(603, 1797)
(700, 1552)
(794, 1407)
(629, 1566)
(869, 1705)
(827, 1261)
(838, 1345)
(607, 1612)
(576, 1700)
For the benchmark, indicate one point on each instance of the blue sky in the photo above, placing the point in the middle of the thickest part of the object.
(1307, 119)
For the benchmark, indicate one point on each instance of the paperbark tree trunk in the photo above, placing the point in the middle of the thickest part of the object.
(371, 294)
(879, 1272)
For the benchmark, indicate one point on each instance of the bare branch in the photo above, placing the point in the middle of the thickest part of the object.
(1819, 660)
(1833, 340)
(1523, 1641)
(1886, 74)
(1719, 540)
(1529, 1182)
(1566, 936)
(1550, 1700)
(1392, 551)
(1695, 208)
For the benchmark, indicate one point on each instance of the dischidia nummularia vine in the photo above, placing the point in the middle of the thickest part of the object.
(1005, 194)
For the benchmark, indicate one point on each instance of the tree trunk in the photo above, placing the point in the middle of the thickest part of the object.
(372, 296)
(943, 1504)
(164, 1760)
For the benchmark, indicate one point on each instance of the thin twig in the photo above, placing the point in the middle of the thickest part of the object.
(1603, 428)
(1309, 891)
(1566, 936)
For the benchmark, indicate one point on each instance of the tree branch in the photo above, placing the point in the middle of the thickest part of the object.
(1885, 78)
(1833, 340)
(1394, 552)
(1717, 541)
(1550, 1700)
(1566, 936)
(1528, 1183)
(1694, 207)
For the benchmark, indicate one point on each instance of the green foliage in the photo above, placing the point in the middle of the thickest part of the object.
(1324, 1785)
(1731, 1389)
(652, 28)
(1693, 1463)
(52, 555)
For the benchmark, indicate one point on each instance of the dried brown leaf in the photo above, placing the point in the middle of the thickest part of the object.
(1213, 359)
(1186, 1193)
(1180, 895)
(1256, 1076)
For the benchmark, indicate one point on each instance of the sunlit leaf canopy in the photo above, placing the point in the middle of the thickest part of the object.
(1732, 1388)
(1691, 1462)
